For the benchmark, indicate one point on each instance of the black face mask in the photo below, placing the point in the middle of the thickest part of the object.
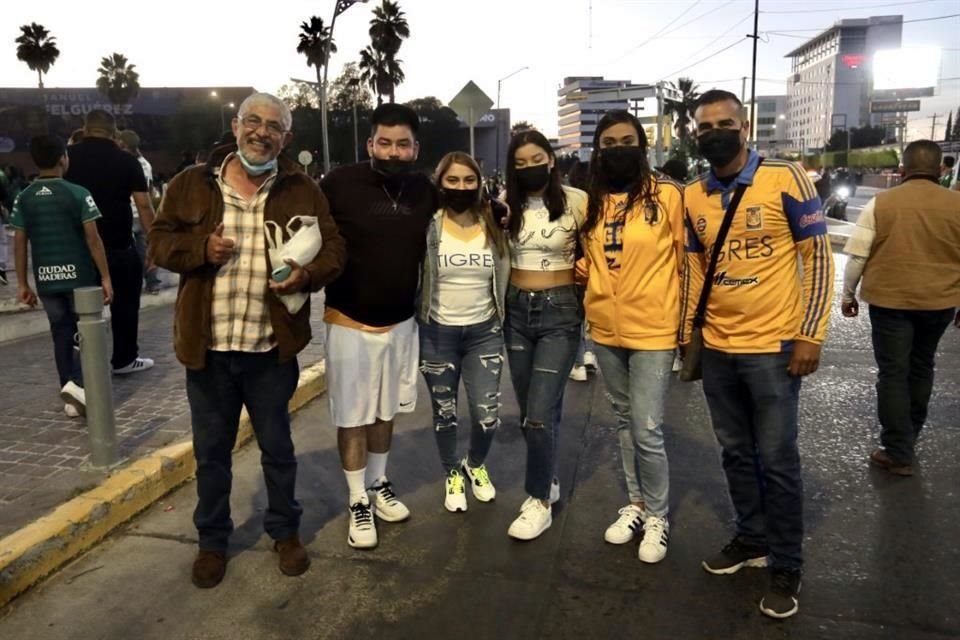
(720, 146)
(621, 166)
(392, 168)
(460, 200)
(533, 178)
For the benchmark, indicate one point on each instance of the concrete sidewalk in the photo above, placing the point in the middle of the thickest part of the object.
(44, 454)
(882, 562)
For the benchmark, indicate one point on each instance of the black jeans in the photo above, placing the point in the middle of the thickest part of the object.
(126, 272)
(542, 334)
(904, 345)
(63, 328)
(217, 393)
(753, 404)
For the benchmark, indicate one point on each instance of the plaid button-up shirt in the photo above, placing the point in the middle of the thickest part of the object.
(240, 318)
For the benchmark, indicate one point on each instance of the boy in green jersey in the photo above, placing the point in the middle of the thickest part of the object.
(58, 220)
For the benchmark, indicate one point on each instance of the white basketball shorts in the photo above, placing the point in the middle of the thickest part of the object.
(371, 376)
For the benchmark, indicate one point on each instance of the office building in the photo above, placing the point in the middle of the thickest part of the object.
(829, 86)
(578, 112)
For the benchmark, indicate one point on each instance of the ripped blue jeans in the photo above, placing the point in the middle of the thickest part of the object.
(542, 334)
(637, 384)
(473, 353)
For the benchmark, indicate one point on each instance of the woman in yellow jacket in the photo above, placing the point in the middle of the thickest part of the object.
(633, 247)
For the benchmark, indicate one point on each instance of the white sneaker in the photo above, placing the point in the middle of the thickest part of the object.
(554, 495)
(71, 411)
(656, 533)
(138, 365)
(363, 532)
(455, 498)
(578, 373)
(629, 524)
(385, 503)
(533, 521)
(483, 489)
(590, 360)
(74, 396)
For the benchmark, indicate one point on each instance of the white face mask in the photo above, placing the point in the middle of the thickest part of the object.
(256, 169)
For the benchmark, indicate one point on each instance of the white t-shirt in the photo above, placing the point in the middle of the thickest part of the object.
(463, 294)
(148, 176)
(545, 245)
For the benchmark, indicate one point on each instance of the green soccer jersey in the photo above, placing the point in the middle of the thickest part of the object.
(52, 212)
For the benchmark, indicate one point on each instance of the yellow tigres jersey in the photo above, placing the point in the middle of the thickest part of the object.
(774, 277)
(632, 266)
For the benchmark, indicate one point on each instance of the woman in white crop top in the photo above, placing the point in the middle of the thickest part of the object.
(460, 313)
(544, 313)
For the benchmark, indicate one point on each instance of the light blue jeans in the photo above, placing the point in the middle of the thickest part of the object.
(637, 383)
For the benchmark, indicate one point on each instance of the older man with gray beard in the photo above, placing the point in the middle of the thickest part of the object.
(232, 332)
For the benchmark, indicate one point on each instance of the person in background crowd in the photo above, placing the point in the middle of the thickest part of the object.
(232, 332)
(57, 220)
(906, 247)
(578, 177)
(460, 313)
(75, 137)
(188, 160)
(633, 240)
(766, 320)
(946, 171)
(675, 169)
(544, 313)
(382, 210)
(113, 177)
(129, 141)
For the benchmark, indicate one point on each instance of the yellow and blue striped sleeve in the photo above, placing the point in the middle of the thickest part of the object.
(803, 210)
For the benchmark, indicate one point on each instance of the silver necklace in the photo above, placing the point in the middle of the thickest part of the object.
(396, 202)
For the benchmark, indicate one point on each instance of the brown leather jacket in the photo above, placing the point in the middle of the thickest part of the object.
(191, 210)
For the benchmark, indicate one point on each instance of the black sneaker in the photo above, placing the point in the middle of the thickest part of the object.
(780, 601)
(3, 277)
(735, 556)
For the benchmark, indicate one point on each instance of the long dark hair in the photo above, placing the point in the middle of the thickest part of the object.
(642, 188)
(554, 197)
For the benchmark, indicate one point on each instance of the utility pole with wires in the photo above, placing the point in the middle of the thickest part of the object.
(933, 127)
(753, 75)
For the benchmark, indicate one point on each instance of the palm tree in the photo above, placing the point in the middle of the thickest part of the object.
(37, 48)
(388, 30)
(684, 107)
(314, 39)
(118, 81)
(373, 71)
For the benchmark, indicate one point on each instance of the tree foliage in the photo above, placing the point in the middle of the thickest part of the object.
(118, 80)
(37, 48)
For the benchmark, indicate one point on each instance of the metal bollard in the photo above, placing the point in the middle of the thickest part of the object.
(97, 384)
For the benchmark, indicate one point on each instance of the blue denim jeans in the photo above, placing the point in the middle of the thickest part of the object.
(542, 334)
(637, 382)
(904, 345)
(63, 328)
(217, 393)
(473, 354)
(586, 344)
(753, 403)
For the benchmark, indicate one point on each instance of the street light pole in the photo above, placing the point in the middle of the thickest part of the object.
(356, 136)
(342, 5)
(500, 82)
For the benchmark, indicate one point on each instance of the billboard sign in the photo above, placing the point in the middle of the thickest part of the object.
(911, 72)
(894, 106)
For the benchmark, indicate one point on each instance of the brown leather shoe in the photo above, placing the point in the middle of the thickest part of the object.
(881, 459)
(209, 568)
(294, 560)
